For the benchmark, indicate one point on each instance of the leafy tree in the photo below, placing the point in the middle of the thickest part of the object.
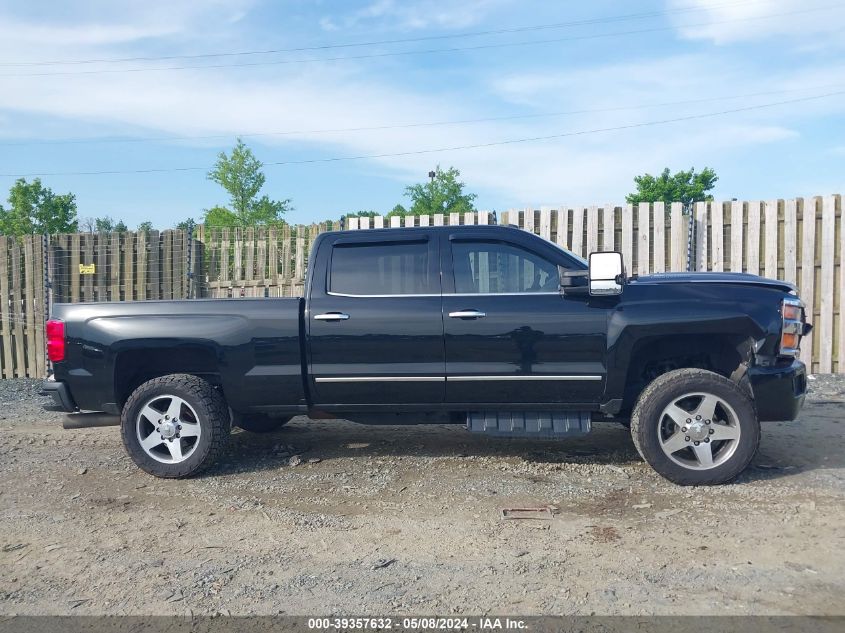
(398, 210)
(186, 225)
(360, 214)
(107, 225)
(145, 227)
(239, 173)
(34, 208)
(442, 194)
(104, 225)
(684, 186)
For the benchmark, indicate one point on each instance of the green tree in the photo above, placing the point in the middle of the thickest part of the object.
(359, 214)
(442, 194)
(240, 174)
(185, 225)
(145, 227)
(684, 186)
(104, 224)
(34, 208)
(107, 225)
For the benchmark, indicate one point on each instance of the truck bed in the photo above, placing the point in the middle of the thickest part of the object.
(250, 347)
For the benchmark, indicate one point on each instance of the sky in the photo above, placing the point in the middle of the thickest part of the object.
(535, 102)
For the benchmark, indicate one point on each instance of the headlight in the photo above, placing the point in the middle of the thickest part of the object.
(792, 326)
(792, 312)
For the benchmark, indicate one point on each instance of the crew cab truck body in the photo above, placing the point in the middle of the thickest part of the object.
(490, 326)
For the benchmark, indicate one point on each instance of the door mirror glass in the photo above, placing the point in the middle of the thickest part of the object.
(607, 273)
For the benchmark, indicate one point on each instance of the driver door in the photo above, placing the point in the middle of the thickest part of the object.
(510, 335)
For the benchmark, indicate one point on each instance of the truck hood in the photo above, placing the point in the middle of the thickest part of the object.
(714, 278)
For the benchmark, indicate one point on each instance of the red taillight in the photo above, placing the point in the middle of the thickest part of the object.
(55, 340)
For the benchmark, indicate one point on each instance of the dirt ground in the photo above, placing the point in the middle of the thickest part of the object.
(336, 518)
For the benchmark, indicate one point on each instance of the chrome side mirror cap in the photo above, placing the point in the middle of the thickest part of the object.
(607, 274)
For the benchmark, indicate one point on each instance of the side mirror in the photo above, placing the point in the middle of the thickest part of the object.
(607, 273)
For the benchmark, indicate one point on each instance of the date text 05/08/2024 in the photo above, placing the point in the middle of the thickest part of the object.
(417, 623)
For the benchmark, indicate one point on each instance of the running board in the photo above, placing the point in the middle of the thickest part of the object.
(529, 423)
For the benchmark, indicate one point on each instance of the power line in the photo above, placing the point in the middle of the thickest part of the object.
(445, 149)
(396, 126)
(522, 29)
(420, 51)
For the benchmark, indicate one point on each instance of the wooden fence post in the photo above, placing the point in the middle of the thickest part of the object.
(770, 243)
(658, 219)
(6, 311)
(828, 235)
(808, 274)
(643, 238)
(608, 227)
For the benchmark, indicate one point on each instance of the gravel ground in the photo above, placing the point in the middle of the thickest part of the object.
(330, 517)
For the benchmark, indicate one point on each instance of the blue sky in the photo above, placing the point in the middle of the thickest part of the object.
(617, 68)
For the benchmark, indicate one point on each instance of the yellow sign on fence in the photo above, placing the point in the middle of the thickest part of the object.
(87, 269)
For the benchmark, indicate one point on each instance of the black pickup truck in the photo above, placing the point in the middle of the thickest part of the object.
(488, 326)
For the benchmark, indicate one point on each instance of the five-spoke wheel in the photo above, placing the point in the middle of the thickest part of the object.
(175, 426)
(699, 431)
(168, 429)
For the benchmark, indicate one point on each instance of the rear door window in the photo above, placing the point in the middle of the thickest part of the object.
(392, 268)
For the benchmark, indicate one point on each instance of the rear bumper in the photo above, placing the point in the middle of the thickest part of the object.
(779, 391)
(58, 391)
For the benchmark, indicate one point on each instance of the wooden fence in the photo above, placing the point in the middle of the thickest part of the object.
(80, 267)
(257, 262)
(23, 308)
(121, 266)
(799, 240)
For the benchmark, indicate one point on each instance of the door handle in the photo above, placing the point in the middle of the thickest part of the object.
(467, 314)
(331, 316)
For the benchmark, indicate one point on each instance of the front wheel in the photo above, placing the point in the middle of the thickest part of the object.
(695, 427)
(175, 426)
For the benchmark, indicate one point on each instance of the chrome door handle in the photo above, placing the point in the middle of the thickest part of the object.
(467, 314)
(331, 316)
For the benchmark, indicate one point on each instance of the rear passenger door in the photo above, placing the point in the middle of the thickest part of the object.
(375, 322)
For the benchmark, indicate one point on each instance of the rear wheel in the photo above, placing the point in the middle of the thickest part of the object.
(175, 426)
(258, 423)
(695, 427)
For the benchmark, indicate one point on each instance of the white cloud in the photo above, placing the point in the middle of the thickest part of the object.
(725, 22)
(413, 14)
(563, 170)
(320, 96)
(99, 25)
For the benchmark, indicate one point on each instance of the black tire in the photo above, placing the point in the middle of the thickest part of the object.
(648, 415)
(258, 423)
(212, 417)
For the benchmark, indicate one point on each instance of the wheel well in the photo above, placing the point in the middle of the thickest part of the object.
(134, 367)
(652, 357)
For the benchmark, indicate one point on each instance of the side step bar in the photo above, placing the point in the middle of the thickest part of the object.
(89, 419)
(529, 423)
